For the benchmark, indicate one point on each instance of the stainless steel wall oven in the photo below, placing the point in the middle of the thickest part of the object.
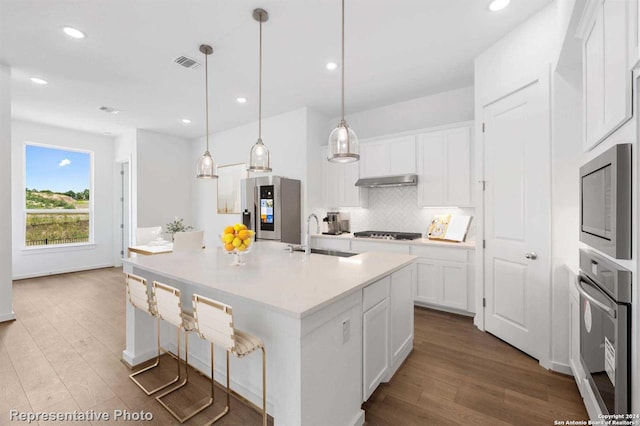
(605, 331)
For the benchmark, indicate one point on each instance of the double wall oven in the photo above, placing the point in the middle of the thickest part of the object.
(605, 331)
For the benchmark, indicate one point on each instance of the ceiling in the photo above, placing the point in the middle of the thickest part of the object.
(395, 50)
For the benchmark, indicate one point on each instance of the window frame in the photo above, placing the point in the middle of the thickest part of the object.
(90, 209)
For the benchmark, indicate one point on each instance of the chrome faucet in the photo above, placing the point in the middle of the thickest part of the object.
(307, 248)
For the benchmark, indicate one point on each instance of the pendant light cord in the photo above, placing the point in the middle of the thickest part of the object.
(260, 86)
(342, 105)
(206, 89)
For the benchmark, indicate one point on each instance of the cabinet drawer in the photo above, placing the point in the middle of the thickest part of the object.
(330, 244)
(375, 293)
(364, 246)
(454, 254)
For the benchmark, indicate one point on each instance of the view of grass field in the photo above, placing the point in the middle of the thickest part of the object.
(56, 228)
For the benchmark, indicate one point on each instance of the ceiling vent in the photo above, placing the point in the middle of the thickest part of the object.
(108, 109)
(186, 62)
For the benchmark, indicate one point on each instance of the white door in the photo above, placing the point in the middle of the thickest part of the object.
(516, 218)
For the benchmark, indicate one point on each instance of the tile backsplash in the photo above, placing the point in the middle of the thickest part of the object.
(396, 209)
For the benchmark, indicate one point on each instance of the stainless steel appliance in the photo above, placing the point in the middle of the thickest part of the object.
(271, 207)
(605, 331)
(386, 235)
(388, 181)
(605, 202)
(333, 223)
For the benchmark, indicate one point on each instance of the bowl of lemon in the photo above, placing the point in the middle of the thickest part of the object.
(237, 240)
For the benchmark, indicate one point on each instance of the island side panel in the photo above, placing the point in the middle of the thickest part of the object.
(141, 329)
(332, 364)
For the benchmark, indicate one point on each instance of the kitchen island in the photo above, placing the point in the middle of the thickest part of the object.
(333, 327)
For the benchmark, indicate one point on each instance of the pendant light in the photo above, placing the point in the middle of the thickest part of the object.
(259, 157)
(206, 167)
(343, 141)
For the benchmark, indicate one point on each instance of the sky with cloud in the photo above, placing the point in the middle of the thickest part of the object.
(58, 170)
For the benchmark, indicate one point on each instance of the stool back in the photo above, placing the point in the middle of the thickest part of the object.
(167, 302)
(214, 321)
(138, 294)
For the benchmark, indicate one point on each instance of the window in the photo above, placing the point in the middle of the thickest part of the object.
(58, 196)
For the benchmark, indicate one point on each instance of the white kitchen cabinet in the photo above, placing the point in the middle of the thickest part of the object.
(375, 323)
(445, 279)
(339, 184)
(444, 167)
(388, 157)
(607, 77)
(387, 323)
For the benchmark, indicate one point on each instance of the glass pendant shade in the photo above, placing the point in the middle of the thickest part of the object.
(343, 144)
(259, 158)
(206, 168)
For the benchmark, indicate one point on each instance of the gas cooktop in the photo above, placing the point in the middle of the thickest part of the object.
(386, 235)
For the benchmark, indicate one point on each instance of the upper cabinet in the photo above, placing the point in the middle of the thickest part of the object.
(339, 184)
(607, 77)
(444, 167)
(388, 157)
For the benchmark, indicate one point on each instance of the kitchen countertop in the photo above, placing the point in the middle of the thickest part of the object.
(292, 283)
(470, 245)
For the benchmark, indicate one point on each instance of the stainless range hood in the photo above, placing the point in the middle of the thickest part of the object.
(388, 181)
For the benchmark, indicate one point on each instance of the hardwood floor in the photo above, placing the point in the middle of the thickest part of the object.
(63, 354)
(458, 375)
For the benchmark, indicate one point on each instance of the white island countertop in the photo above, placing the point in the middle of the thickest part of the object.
(293, 283)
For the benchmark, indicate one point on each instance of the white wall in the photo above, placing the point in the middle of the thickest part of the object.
(164, 170)
(6, 286)
(428, 111)
(44, 261)
(286, 137)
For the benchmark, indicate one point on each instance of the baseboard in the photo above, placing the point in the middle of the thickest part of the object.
(11, 316)
(131, 361)
(358, 420)
(561, 368)
(221, 377)
(62, 271)
(443, 308)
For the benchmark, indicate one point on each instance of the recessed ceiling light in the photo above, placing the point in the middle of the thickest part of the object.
(186, 121)
(241, 100)
(109, 110)
(496, 5)
(40, 81)
(331, 66)
(74, 33)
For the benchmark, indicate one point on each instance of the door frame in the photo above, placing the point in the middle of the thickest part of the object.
(541, 76)
(118, 232)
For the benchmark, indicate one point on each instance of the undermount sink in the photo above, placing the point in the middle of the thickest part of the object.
(328, 252)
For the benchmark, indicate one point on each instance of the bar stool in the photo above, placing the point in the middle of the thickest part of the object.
(169, 308)
(139, 298)
(214, 322)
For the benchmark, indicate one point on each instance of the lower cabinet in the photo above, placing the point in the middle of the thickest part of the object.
(375, 323)
(387, 324)
(446, 279)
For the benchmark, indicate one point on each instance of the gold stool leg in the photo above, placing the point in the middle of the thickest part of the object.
(154, 365)
(264, 387)
(228, 390)
(183, 383)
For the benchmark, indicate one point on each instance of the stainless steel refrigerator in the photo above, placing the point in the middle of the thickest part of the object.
(271, 207)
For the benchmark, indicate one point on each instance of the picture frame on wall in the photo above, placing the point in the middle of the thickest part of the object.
(229, 179)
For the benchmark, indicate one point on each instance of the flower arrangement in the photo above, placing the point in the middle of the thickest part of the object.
(177, 226)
